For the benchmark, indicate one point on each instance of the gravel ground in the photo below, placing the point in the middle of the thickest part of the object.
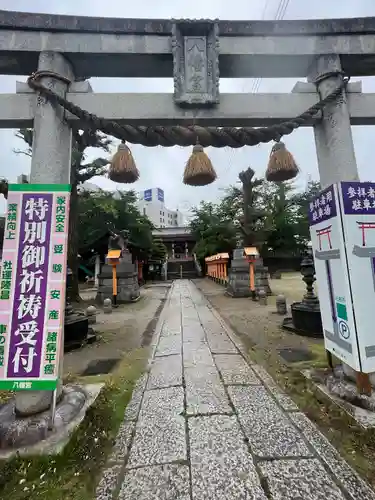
(120, 332)
(259, 326)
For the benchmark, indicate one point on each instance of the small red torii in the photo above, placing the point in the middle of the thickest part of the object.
(325, 231)
(363, 226)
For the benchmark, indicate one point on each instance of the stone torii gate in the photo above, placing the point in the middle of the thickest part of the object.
(67, 50)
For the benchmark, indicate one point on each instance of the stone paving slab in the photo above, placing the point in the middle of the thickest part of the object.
(357, 489)
(221, 465)
(283, 399)
(160, 430)
(169, 345)
(160, 482)
(161, 377)
(108, 483)
(211, 323)
(213, 327)
(188, 307)
(204, 392)
(123, 441)
(131, 412)
(231, 335)
(193, 325)
(220, 344)
(204, 311)
(299, 480)
(194, 356)
(195, 345)
(271, 434)
(193, 333)
(174, 305)
(235, 370)
(170, 330)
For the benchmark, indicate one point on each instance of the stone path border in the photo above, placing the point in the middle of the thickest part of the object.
(204, 423)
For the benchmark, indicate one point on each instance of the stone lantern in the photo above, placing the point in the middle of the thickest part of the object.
(306, 318)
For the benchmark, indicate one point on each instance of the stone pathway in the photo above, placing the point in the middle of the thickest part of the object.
(204, 424)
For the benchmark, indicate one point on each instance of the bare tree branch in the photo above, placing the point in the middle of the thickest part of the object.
(21, 152)
(26, 134)
(96, 167)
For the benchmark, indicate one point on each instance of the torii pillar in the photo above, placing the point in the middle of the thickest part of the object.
(50, 164)
(333, 134)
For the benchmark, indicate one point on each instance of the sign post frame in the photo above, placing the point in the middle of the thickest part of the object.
(343, 239)
(33, 288)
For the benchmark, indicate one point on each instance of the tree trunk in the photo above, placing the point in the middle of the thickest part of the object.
(73, 242)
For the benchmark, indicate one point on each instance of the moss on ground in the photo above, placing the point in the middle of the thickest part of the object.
(74, 474)
(5, 396)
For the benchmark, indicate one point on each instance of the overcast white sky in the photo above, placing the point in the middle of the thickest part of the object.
(164, 167)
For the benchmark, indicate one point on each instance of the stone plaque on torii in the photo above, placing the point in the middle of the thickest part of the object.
(193, 53)
(195, 63)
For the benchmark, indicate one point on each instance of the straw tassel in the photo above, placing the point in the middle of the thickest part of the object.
(281, 164)
(123, 168)
(199, 170)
